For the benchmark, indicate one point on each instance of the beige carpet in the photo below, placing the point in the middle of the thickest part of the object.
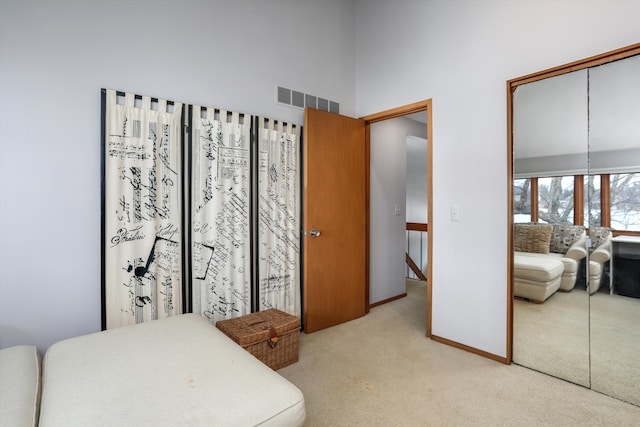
(593, 342)
(381, 370)
(615, 346)
(554, 337)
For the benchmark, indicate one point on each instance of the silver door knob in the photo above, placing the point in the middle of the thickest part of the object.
(315, 233)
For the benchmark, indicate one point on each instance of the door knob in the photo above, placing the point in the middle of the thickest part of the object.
(315, 233)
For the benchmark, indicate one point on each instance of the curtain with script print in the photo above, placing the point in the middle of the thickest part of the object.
(220, 213)
(142, 212)
(278, 216)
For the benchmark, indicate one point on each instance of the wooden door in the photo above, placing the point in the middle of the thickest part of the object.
(335, 205)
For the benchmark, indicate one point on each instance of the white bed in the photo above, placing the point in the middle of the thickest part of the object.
(180, 371)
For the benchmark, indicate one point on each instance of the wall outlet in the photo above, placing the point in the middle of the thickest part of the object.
(396, 210)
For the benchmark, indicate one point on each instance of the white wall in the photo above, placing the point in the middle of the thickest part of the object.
(56, 55)
(417, 176)
(461, 54)
(388, 174)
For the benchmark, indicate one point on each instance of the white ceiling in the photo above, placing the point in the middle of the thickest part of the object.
(418, 117)
(596, 109)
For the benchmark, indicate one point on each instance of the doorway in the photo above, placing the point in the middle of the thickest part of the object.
(384, 212)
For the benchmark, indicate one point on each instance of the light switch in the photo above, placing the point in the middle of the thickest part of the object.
(455, 213)
(397, 210)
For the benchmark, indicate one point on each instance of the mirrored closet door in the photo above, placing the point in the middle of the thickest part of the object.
(574, 135)
(550, 147)
(614, 166)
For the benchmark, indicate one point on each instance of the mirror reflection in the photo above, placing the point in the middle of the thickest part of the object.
(551, 309)
(614, 157)
(576, 214)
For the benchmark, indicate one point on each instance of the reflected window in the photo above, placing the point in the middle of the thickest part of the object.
(593, 217)
(625, 201)
(555, 200)
(522, 200)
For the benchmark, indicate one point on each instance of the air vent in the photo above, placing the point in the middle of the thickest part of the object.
(298, 99)
(284, 95)
(310, 101)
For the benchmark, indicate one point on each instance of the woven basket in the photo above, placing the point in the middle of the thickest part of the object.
(271, 336)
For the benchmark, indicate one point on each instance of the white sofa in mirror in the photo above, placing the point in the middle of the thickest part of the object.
(546, 259)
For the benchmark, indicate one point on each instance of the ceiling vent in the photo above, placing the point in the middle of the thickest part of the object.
(294, 98)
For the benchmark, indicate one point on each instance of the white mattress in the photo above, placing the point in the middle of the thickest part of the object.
(180, 371)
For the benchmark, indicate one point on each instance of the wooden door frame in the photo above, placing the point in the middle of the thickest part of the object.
(416, 107)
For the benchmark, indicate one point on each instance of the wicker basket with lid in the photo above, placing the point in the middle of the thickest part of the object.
(271, 336)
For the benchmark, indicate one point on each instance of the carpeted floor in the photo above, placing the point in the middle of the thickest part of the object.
(554, 337)
(590, 341)
(381, 370)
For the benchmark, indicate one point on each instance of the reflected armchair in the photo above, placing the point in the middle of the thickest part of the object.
(599, 256)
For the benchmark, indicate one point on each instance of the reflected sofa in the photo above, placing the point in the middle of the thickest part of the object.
(176, 371)
(546, 259)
